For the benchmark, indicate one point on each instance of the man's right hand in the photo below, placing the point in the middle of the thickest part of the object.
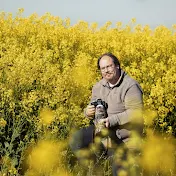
(90, 111)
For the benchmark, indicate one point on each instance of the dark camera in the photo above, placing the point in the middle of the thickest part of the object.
(100, 113)
(99, 102)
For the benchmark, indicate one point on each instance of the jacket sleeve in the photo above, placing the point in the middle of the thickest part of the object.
(133, 108)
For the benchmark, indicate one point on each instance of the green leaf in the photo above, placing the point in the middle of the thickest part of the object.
(6, 144)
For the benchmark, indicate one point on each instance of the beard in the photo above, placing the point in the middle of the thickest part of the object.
(111, 77)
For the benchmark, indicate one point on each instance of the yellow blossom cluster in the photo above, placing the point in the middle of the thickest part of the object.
(46, 158)
(46, 61)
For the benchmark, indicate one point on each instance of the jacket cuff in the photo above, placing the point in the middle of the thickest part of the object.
(113, 121)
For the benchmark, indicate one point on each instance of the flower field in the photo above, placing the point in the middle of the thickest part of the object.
(47, 70)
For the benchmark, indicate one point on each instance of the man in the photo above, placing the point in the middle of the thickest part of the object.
(123, 95)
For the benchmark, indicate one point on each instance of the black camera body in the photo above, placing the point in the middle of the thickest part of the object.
(99, 102)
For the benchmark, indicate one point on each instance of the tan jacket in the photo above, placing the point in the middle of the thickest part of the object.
(124, 103)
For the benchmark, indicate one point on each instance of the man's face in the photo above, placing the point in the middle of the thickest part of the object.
(108, 69)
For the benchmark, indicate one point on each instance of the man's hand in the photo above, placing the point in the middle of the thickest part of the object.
(90, 111)
(105, 121)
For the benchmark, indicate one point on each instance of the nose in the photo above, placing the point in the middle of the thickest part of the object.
(106, 69)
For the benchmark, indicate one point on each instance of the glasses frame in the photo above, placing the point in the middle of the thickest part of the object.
(108, 67)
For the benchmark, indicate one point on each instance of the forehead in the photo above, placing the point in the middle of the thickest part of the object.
(105, 60)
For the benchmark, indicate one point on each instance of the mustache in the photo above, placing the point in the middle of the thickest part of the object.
(109, 72)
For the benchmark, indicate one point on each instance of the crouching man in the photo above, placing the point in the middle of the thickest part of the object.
(120, 124)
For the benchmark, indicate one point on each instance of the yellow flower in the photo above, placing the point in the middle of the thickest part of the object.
(46, 156)
(46, 116)
(149, 116)
(133, 20)
(2, 122)
(158, 154)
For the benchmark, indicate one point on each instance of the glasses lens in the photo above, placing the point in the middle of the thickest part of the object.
(109, 67)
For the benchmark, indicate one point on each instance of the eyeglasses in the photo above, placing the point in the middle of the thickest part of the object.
(108, 67)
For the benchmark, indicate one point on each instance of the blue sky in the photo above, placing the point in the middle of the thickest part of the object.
(151, 12)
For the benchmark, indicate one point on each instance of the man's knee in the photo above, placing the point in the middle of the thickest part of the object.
(81, 138)
(76, 142)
